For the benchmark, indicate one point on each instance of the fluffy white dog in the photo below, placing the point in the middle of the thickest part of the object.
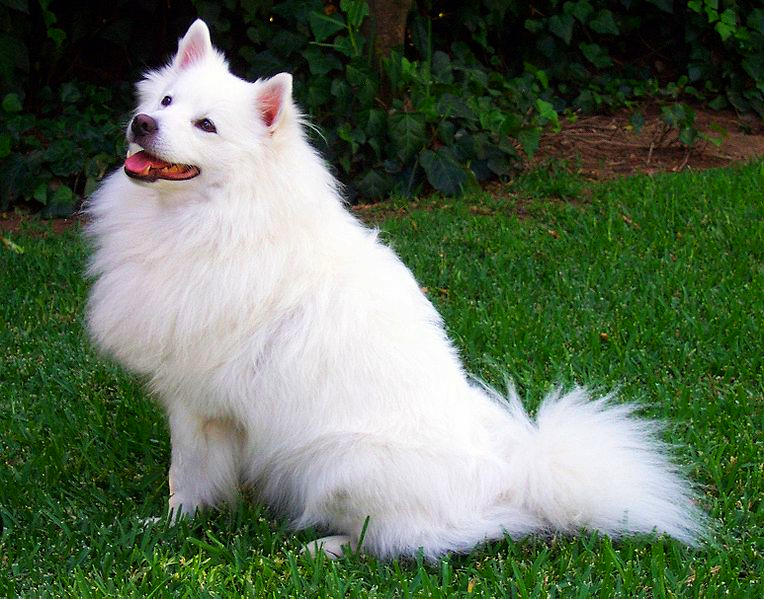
(295, 353)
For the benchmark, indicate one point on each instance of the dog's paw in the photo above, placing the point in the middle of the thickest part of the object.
(168, 521)
(172, 518)
(332, 547)
(149, 522)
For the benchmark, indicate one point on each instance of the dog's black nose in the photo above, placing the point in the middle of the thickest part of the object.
(143, 125)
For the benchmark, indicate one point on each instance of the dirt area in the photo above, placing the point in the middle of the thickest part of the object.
(12, 222)
(606, 146)
(602, 147)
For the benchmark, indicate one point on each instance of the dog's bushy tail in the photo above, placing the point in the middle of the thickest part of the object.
(592, 464)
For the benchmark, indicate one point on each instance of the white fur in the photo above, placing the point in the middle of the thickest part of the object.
(294, 352)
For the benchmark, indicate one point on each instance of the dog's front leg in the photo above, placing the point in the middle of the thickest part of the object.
(205, 461)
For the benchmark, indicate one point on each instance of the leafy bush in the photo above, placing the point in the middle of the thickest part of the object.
(473, 88)
(601, 54)
(463, 100)
(734, 60)
(435, 114)
(58, 155)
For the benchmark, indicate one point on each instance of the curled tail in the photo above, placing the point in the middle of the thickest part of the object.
(592, 464)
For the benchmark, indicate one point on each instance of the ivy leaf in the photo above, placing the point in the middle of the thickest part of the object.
(718, 103)
(533, 25)
(595, 54)
(283, 43)
(69, 93)
(325, 26)
(446, 132)
(12, 103)
(754, 66)
(529, 140)
(343, 94)
(441, 67)
(511, 125)
(356, 11)
(738, 101)
(354, 137)
(492, 120)
(695, 71)
(374, 184)
(548, 113)
(375, 123)
(321, 62)
(499, 165)
(727, 24)
(688, 136)
(603, 22)
(452, 106)
(407, 132)
(562, 27)
(678, 116)
(581, 9)
(443, 171)
(57, 35)
(318, 93)
(62, 195)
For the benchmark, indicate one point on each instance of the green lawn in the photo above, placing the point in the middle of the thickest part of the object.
(654, 285)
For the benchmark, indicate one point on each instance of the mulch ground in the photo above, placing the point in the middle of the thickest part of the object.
(606, 146)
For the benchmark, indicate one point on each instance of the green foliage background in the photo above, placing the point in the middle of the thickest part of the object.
(463, 101)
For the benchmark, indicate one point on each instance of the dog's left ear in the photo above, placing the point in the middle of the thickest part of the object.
(193, 46)
(275, 94)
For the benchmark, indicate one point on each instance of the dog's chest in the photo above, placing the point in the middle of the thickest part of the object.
(177, 311)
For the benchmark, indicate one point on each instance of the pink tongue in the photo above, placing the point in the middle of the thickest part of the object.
(139, 161)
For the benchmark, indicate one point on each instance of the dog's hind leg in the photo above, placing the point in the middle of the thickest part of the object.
(206, 454)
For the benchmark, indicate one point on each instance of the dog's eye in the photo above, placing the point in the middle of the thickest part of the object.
(166, 101)
(206, 125)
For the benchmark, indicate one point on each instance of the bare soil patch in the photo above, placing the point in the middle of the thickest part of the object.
(606, 146)
(13, 222)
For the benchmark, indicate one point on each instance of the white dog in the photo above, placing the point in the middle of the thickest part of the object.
(295, 353)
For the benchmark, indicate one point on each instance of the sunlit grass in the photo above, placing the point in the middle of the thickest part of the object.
(653, 285)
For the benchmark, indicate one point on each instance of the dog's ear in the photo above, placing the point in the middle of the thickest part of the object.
(276, 93)
(193, 46)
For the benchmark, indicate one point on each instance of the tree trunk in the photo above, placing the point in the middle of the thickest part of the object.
(388, 20)
(387, 30)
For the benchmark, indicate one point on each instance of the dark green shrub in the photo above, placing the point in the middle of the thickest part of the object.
(462, 101)
(430, 114)
(600, 53)
(57, 156)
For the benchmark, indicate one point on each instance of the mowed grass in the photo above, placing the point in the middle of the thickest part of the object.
(652, 285)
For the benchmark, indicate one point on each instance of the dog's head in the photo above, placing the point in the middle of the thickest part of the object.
(195, 118)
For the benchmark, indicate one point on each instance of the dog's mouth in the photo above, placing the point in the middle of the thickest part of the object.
(147, 167)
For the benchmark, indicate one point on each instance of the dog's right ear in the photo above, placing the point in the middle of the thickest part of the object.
(275, 95)
(194, 46)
